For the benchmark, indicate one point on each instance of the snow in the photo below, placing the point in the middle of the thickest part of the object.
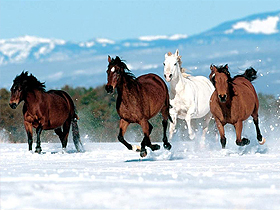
(18, 49)
(258, 26)
(159, 37)
(109, 176)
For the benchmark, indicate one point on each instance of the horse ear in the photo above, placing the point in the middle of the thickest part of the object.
(166, 55)
(226, 66)
(213, 68)
(177, 53)
(109, 59)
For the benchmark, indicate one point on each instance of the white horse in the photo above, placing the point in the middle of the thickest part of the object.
(189, 95)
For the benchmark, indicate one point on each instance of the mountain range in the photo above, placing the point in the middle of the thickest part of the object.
(253, 41)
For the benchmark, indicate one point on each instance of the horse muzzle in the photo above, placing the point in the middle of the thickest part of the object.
(223, 98)
(13, 105)
(109, 88)
(168, 77)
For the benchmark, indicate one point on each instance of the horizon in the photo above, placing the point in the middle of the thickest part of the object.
(56, 20)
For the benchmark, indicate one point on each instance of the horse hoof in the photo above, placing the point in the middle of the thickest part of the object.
(38, 150)
(243, 142)
(154, 147)
(167, 146)
(143, 153)
(262, 141)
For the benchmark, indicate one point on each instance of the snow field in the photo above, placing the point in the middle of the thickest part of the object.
(108, 176)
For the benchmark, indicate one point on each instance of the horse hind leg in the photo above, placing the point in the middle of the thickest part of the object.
(205, 127)
(146, 127)
(260, 138)
(166, 116)
(166, 144)
(63, 135)
(38, 146)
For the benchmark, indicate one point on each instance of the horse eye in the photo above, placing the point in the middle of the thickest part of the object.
(175, 64)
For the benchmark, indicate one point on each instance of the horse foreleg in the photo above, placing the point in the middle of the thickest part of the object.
(123, 127)
(221, 130)
(146, 141)
(28, 129)
(238, 129)
(38, 146)
(191, 132)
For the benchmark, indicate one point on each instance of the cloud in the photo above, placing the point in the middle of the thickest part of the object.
(258, 26)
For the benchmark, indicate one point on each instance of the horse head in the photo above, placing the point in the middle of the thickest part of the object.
(220, 77)
(172, 65)
(21, 85)
(116, 69)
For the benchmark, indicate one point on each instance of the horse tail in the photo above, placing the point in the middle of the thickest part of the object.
(76, 135)
(250, 74)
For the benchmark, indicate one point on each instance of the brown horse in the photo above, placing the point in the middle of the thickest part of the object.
(45, 110)
(233, 101)
(139, 99)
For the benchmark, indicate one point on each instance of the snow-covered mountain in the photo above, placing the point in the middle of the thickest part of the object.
(251, 41)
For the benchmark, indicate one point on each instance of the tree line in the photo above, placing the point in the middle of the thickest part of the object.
(98, 118)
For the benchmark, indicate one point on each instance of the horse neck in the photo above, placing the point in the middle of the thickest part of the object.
(123, 88)
(33, 97)
(178, 80)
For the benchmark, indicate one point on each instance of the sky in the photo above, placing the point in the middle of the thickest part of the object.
(83, 20)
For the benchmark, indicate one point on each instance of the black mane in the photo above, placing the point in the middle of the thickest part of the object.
(29, 82)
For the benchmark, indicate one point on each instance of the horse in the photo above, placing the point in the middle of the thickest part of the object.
(139, 99)
(44, 110)
(233, 101)
(189, 95)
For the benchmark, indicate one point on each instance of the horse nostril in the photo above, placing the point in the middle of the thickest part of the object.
(164, 75)
(170, 75)
(223, 97)
(13, 105)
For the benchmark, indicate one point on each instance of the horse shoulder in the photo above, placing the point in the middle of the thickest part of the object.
(215, 107)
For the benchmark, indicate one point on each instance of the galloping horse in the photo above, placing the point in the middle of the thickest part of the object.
(189, 95)
(233, 101)
(45, 110)
(139, 99)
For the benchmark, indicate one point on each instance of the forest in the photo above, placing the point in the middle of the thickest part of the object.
(98, 118)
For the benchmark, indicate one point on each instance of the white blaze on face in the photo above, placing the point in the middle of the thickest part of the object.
(113, 69)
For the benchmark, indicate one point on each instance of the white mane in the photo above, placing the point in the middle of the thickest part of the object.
(182, 70)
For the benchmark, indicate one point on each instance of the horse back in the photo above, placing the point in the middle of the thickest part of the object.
(50, 109)
(154, 93)
(246, 92)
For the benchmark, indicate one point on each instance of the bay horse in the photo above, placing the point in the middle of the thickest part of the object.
(139, 99)
(45, 110)
(189, 95)
(233, 101)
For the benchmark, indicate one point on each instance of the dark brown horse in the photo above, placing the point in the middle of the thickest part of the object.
(45, 110)
(233, 101)
(139, 99)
